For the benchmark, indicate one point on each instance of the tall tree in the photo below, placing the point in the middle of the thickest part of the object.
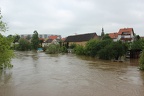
(5, 53)
(16, 39)
(35, 40)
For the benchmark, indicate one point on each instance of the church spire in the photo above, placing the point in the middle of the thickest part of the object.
(102, 33)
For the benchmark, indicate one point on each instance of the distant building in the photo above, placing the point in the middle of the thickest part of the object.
(124, 34)
(114, 36)
(80, 39)
(44, 36)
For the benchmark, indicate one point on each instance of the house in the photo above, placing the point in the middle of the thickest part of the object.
(113, 36)
(126, 35)
(80, 39)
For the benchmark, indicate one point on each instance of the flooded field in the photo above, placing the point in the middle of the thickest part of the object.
(40, 74)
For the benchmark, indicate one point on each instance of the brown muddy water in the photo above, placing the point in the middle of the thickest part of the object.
(40, 74)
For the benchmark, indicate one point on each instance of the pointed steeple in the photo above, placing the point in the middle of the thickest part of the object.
(102, 33)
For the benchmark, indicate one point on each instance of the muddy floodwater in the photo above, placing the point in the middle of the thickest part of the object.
(40, 74)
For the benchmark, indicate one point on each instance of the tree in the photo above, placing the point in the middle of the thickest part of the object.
(141, 61)
(105, 37)
(92, 47)
(3, 25)
(24, 45)
(16, 39)
(118, 49)
(79, 50)
(138, 44)
(113, 50)
(53, 49)
(28, 37)
(5, 53)
(35, 40)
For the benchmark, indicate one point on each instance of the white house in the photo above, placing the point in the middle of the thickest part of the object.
(124, 34)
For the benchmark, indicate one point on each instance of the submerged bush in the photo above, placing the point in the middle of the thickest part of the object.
(141, 61)
(79, 50)
(52, 49)
(63, 49)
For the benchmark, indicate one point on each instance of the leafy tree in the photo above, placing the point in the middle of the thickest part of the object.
(138, 44)
(35, 40)
(92, 47)
(106, 53)
(141, 61)
(5, 53)
(24, 45)
(53, 49)
(16, 39)
(113, 50)
(106, 37)
(3, 25)
(72, 46)
(28, 37)
(79, 50)
(137, 37)
(63, 49)
(118, 49)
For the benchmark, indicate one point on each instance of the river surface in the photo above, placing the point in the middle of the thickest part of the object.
(40, 74)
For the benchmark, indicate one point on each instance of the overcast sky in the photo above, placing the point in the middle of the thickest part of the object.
(69, 17)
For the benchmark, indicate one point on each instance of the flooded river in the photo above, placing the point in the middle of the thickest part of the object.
(40, 74)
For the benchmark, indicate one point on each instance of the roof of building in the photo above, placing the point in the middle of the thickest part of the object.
(80, 37)
(48, 40)
(127, 30)
(113, 35)
(53, 37)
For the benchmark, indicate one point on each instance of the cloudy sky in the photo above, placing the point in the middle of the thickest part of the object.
(69, 17)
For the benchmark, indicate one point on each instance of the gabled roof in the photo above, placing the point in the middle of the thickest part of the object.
(113, 35)
(53, 37)
(80, 37)
(125, 30)
(49, 41)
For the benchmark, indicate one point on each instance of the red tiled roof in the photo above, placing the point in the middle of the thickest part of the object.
(53, 37)
(128, 30)
(113, 35)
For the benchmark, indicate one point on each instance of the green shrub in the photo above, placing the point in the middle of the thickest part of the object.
(63, 49)
(24, 45)
(72, 46)
(79, 50)
(141, 61)
(52, 49)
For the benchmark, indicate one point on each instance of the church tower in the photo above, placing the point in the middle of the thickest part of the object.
(102, 33)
